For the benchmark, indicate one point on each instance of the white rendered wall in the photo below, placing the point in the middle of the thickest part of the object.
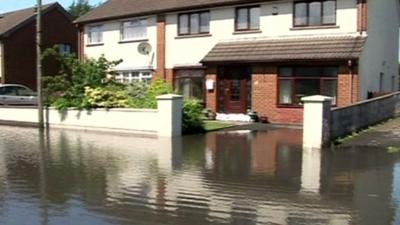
(113, 50)
(381, 52)
(189, 51)
(166, 121)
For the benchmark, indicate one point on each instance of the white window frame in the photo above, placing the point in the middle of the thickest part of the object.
(141, 23)
(130, 76)
(95, 29)
(64, 48)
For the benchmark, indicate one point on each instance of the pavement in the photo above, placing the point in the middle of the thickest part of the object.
(385, 135)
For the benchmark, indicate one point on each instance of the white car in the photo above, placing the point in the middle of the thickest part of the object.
(16, 94)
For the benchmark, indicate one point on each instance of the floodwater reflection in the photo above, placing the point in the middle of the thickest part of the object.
(69, 177)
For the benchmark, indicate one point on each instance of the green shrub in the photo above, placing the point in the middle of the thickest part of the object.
(192, 114)
(106, 97)
(67, 88)
(145, 96)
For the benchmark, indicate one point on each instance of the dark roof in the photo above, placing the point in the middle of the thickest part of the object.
(124, 8)
(10, 21)
(287, 49)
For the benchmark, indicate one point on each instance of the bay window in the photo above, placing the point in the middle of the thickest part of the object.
(194, 23)
(190, 83)
(314, 13)
(134, 30)
(247, 18)
(128, 77)
(298, 82)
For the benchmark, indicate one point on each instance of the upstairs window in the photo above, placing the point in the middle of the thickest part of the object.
(247, 18)
(134, 30)
(314, 13)
(95, 34)
(194, 23)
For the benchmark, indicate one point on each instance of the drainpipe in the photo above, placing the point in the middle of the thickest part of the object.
(2, 60)
(350, 65)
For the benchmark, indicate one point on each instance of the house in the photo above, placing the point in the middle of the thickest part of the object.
(240, 55)
(18, 42)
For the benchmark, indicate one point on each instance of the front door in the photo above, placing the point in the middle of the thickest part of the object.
(234, 84)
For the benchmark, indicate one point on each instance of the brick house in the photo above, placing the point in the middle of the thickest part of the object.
(18, 42)
(260, 55)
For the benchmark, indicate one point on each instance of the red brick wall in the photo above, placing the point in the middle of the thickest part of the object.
(265, 96)
(362, 15)
(211, 96)
(160, 72)
(346, 85)
(20, 48)
(169, 76)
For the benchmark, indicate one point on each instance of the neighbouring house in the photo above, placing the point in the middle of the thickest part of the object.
(18, 42)
(241, 55)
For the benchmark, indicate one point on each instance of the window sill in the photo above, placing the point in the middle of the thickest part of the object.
(94, 44)
(247, 32)
(193, 36)
(315, 27)
(133, 41)
(281, 106)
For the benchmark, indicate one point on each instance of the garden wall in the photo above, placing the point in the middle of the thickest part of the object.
(165, 121)
(323, 124)
(347, 120)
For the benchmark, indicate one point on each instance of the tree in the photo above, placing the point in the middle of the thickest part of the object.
(79, 8)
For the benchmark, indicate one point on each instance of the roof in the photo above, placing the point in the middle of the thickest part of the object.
(113, 9)
(10, 21)
(287, 49)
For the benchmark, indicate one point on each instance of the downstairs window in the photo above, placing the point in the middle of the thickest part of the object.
(298, 82)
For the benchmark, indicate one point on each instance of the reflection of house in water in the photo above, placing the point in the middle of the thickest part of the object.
(218, 178)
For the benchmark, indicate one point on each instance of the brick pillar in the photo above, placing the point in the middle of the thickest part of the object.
(81, 43)
(211, 95)
(348, 86)
(265, 91)
(160, 72)
(362, 15)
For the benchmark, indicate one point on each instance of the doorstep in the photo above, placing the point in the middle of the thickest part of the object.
(234, 118)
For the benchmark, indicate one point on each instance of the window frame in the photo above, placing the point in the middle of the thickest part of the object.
(248, 8)
(307, 2)
(189, 16)
(89, 36)
(122, 28)
(119, 76)
(191, 77)
(294, 80)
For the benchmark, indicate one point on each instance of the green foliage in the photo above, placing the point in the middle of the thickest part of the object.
(67, 89)
(192, 114)
(393, 150)
(87, 85)
(144, 96)
(79, 8)
(106, 97)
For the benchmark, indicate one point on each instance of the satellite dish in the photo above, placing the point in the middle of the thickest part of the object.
(144, 48)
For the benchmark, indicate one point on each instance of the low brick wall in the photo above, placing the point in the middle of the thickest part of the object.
(346, 120)
(165, 121)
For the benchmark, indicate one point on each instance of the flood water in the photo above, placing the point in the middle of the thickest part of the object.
(70, 177)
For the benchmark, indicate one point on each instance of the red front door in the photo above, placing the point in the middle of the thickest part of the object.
(234, 84)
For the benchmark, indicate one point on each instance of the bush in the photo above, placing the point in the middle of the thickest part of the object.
(192, 114)
(67, 89)
(145, 96)
(106, 97)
